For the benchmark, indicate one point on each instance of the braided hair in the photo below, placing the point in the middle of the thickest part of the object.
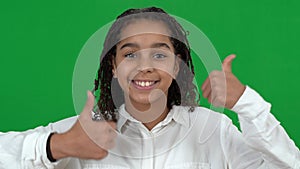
(186, 94)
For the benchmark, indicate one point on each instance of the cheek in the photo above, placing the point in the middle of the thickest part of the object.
(168, 70)
(125, 71)
(167, 79)
(167, 67)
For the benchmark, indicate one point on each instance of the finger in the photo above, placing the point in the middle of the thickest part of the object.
(205, 83)
(226, 65)
(112, 124)
(212, 99)
(208, 81)
(206, 87)
(206, 91)
(98, 154)
(209, 98)
(217, 101)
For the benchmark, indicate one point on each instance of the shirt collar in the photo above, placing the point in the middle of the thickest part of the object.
(179, 114)
(182, 115)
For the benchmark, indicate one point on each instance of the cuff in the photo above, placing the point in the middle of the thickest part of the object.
(250, 105)
(34, 150)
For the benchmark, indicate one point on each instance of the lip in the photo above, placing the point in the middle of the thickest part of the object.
(144, 84)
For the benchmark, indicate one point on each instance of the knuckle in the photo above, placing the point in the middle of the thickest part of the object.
(102, 154)
(220, 98)
(213, 73)
(218, 90)
(214, 80)
(214, 85)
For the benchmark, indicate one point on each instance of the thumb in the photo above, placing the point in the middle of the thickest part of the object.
(89, 105)
(226, 65)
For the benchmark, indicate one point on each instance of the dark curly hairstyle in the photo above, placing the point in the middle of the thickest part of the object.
(186, 94)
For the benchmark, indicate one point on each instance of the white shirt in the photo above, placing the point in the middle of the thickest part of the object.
(201, 139)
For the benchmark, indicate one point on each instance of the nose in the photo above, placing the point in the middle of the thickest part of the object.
(145, 63)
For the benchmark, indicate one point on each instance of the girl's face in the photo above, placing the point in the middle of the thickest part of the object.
(145, 62)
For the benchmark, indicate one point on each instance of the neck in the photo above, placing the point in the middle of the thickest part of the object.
(150, 114)
(150, 125)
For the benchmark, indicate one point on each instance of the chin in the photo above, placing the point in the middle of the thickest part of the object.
(141, 100)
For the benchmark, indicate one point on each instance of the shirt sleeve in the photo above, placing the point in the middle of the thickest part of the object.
(263, 132)
(27, 150)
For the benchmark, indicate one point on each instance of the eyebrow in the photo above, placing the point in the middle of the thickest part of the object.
(155, 45)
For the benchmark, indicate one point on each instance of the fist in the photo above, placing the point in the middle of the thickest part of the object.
(222, 88)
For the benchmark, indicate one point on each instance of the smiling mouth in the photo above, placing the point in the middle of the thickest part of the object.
(144, 84)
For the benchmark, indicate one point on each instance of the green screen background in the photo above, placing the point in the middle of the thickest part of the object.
(40, 42)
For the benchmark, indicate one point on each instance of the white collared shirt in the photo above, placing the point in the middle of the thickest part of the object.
(199, 139)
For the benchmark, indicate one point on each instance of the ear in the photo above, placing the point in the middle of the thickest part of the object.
(176, 66)
(114, 72)
(114, 69)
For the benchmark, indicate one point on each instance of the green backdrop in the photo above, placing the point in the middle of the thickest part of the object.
(40, 42)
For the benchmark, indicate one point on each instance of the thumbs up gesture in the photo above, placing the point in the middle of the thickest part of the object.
(87, 139)
(222, 88)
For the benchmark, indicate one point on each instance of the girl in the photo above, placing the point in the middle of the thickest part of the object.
(147, 96)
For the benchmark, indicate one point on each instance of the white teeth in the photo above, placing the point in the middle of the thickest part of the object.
(143, 83)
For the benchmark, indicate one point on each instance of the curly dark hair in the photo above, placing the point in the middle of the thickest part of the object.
(186, 95)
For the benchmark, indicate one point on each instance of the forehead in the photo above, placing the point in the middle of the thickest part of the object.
(148, 40)
(144, 27)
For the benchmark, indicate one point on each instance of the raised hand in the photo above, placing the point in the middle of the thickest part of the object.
(222, 88)
(87, 139)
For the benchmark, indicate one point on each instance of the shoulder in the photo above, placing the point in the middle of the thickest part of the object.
(204, 122)
(201, 113)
